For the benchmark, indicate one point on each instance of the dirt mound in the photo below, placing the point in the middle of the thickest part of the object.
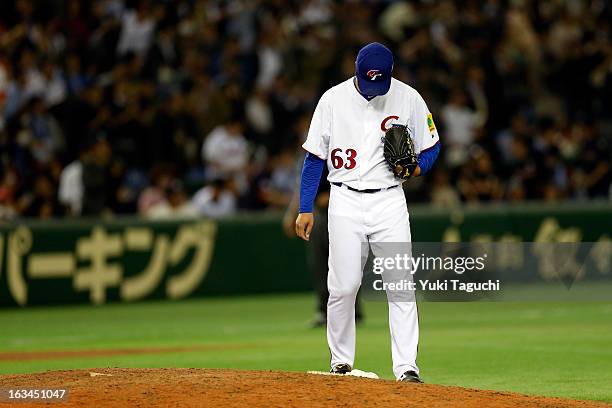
(224, 388)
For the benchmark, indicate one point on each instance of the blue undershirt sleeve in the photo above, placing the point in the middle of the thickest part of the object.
(428, 157)
(309, 185)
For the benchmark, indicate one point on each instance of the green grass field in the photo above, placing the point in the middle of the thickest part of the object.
(552, 349)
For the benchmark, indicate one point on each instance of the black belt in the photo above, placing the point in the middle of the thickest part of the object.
(367, 190)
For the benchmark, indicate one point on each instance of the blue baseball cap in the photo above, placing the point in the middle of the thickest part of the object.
(373, 69)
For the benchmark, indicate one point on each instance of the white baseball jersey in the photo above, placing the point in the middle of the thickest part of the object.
(347, 130)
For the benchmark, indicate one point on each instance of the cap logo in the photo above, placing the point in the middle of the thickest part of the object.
(373, 74)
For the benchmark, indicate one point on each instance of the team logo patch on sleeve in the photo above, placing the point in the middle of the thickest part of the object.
(430, 122)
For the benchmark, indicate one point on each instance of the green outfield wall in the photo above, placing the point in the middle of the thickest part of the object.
(100, 261)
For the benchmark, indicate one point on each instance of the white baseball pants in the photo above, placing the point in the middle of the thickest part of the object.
(355, 218)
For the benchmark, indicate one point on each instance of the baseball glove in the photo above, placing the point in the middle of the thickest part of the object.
(399, 152)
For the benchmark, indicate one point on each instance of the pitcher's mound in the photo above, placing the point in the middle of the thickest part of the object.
(105, 387)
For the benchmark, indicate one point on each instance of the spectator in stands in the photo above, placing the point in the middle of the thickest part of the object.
(96, 178)
(8, 194)
(443, 195)
(275, 183)
(478, 182)
(176, 204)
(43, 131)
(162, 177)
(215, 200)
(461, 125)
(70, 189)
(55, 85)
(40, 202)
(136, 30)
(225, 152)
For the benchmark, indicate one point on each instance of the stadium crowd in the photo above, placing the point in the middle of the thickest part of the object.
(199, 107)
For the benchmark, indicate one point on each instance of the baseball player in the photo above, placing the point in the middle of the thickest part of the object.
(373, 132)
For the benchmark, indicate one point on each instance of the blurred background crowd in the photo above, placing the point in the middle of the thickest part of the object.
(168, 108)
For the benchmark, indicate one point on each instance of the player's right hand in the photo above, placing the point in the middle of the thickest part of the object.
(303, 225)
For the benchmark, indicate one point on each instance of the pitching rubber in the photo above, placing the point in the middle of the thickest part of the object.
(354, 373)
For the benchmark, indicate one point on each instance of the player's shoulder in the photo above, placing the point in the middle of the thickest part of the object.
(404, 90)
(338, 90)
